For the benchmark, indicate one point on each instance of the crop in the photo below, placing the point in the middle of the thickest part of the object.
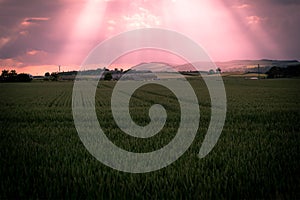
(257, 155)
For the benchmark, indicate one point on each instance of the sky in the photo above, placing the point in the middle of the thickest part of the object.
(37, 36)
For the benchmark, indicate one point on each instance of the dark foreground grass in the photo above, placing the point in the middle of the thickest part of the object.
(257, 156)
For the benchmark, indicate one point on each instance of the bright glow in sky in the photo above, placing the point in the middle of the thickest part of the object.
(37, 36)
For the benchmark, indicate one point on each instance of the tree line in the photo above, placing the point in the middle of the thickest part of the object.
(13, 76)
(284, 72)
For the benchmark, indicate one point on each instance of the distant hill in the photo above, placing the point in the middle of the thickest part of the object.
(228, 66)
(251, 65)
(154, 67)
(200, 66)
(166, 67)
(240, 66)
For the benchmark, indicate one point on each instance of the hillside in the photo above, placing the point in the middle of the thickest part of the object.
(228, 66)
(251, 65)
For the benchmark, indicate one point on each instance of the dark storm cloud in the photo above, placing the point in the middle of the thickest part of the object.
(282, 24)
(45, 25)
(13, 14)
(269, 2)
(283, 2)
(35, 19)
(281, 19)
(29, 24)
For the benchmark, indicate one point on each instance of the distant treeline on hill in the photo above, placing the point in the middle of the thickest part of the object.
(284, 72)
(12, 76)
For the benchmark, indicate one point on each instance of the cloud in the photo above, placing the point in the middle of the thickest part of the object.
(143, 10)
(16, 38)
(35, 52)
(111, 28)
(4, 41)
(10, 63)
(283, 2)
(34, 20)
(24, 33)
(112, 22)
(242, 6)
(35, 32)
(143, 19)
(254, 19)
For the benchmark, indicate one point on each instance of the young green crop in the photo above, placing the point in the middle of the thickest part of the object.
(257, 155)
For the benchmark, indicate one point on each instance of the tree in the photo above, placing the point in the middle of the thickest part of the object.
(281, 72)
(211, 71)
(4, 74)
(24, 77)
(47, 76)
(275, 72)
(9, 76)
(12, 75)
(107, 76)
(54, 76)
(218, 70)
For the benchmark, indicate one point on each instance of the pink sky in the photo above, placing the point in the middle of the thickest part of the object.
(37, 36)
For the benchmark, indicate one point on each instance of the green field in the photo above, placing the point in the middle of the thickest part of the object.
(257, 155)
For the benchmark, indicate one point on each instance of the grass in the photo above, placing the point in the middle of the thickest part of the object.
(257, 156)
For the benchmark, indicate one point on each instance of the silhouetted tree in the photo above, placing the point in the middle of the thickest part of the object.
(4, 74)
(47, 76)
(107, 76)
(211, 71)
(24, 77)
(8, 76)
(12, 75)
(293, 70)
(275, 72)
(54, 76)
